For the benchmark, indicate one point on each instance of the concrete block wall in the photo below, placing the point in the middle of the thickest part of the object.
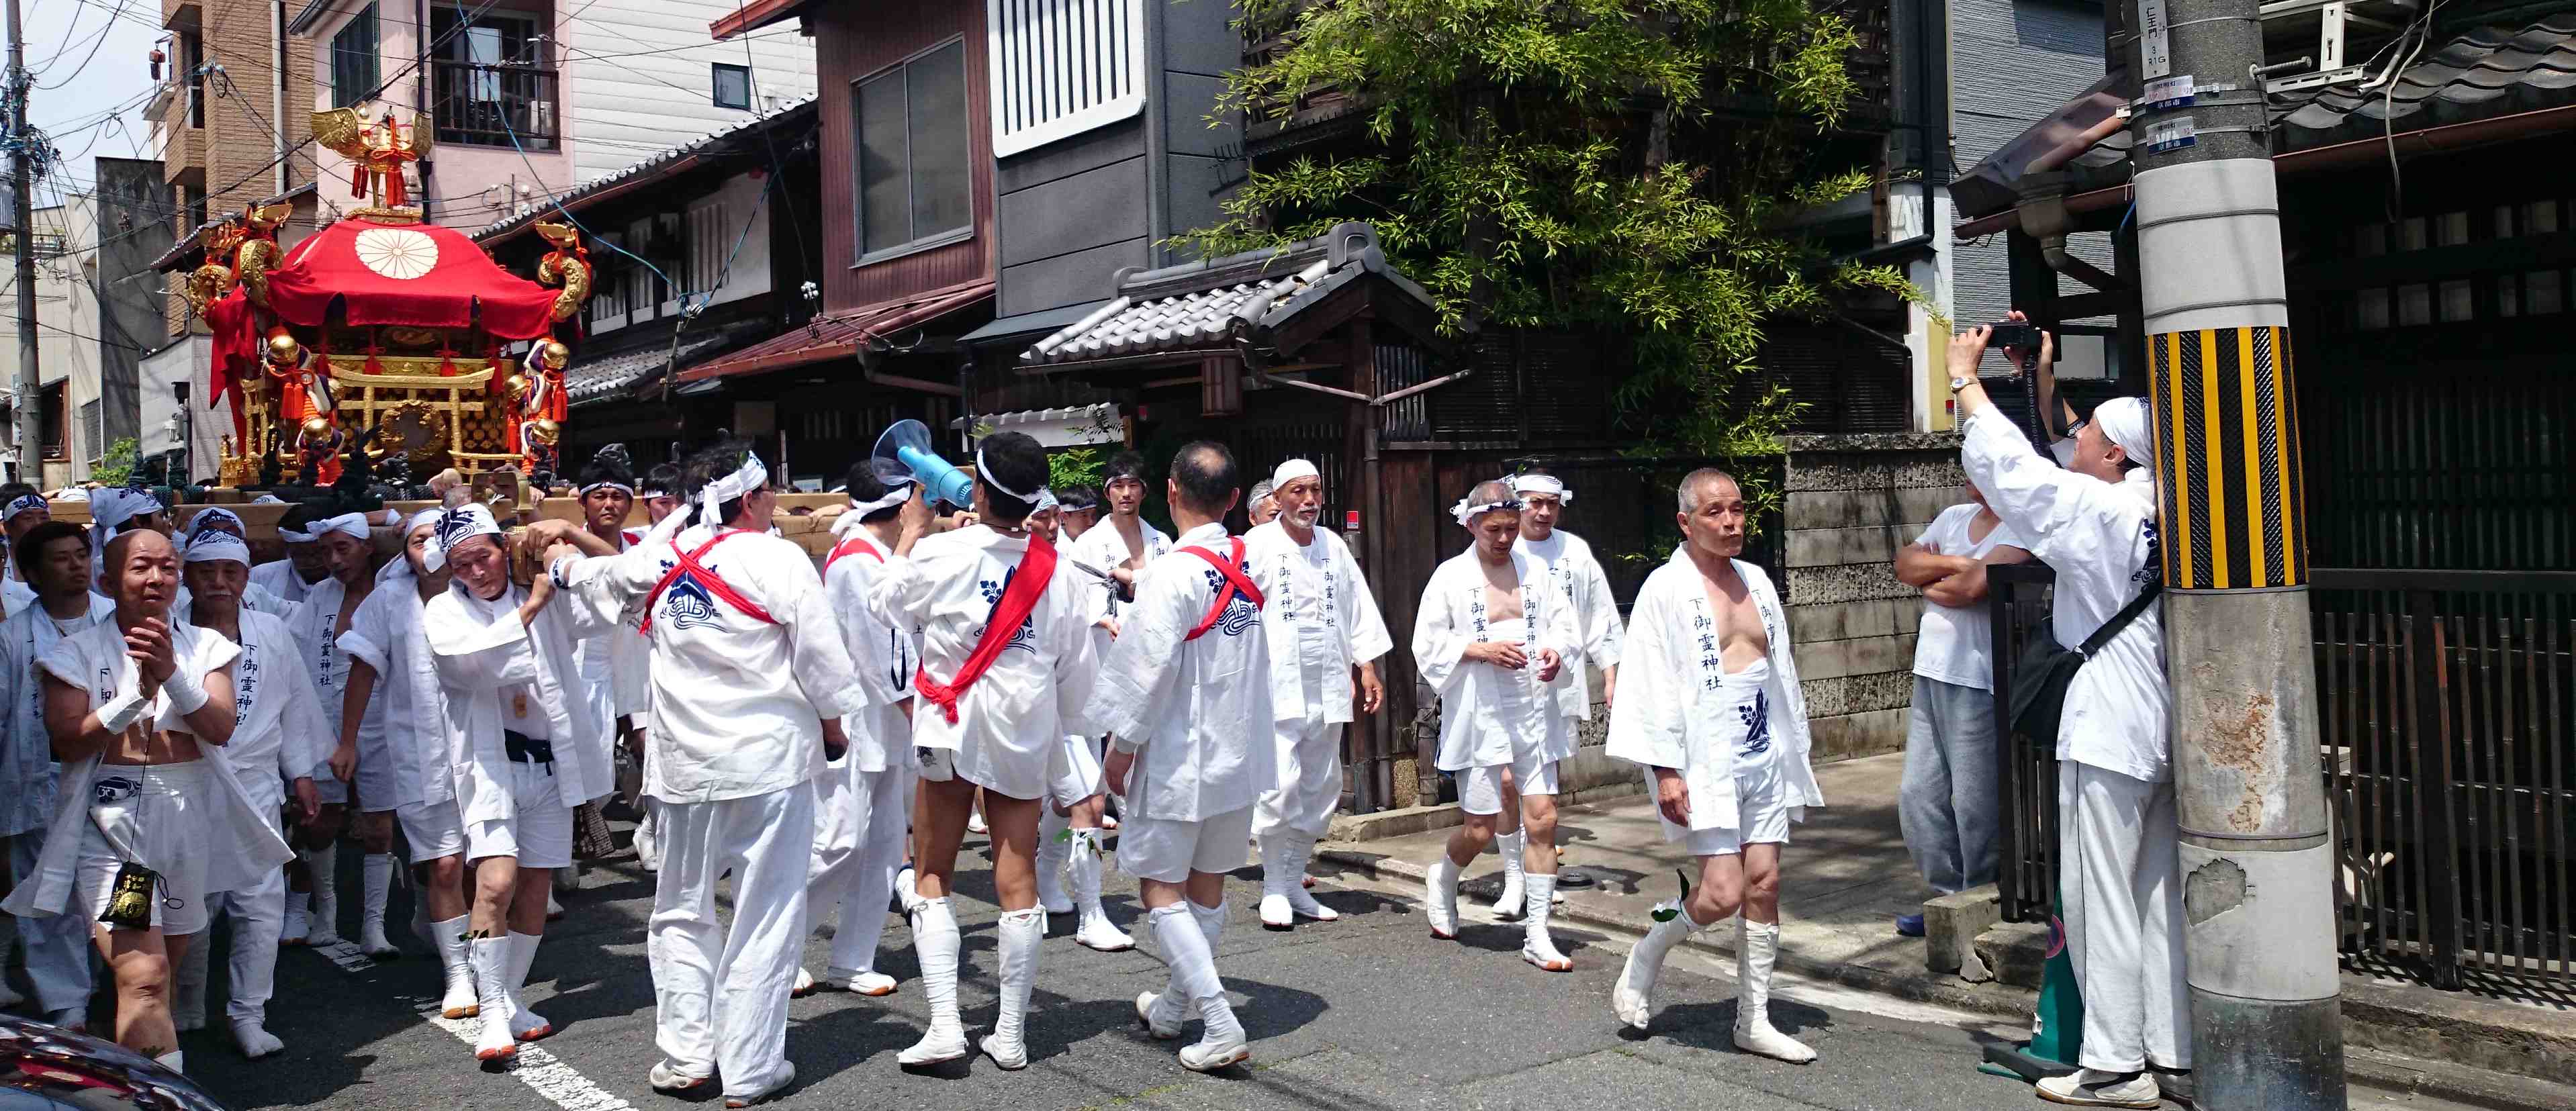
(1852, 502)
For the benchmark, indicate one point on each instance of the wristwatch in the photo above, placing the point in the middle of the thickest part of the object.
(1958, 384)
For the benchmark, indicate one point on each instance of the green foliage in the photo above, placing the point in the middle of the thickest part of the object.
(1074, 466)
(116, 464)
(1627, 167)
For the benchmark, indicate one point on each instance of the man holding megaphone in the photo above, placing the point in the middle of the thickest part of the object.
(1006, 664)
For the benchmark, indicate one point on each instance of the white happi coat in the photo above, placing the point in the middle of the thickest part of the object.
(315, 621)
(1010, 725)
(1584, 591)
(1669, 703)
(1490, 715)
(243, 849)
(1196, 712)
(278, 578)
(1100, 547)
(278, 725)
(387, 633)
(630, 657)
(738, 704)
(2097, 536)
(28, 774)
(882, 656)
(1320, 618)
(482, 649)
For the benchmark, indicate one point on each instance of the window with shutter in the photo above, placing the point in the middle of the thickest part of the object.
(1063, 67)
(708, 245)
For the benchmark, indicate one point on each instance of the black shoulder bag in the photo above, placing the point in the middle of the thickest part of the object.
(2045, 669)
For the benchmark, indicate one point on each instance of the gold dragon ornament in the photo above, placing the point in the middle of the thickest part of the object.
(568, 266)
(377, 152)
(240, 249)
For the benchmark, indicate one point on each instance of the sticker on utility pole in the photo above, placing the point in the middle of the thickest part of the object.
(2155, 55)
(2166, 93)
(2173, 134)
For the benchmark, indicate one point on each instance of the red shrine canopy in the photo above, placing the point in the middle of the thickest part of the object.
(417, 275)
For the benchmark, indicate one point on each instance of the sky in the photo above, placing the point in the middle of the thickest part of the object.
(75, 87)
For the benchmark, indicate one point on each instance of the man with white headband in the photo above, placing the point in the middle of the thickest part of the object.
(1491, 639)
(291, 578)
(751, 680)
(1119, 546)
(863, 813)
(279, 737)
(613, 666)
(1324, 627)
(1712, 710)
(523, 749)
(21, 508)
(347, 545)
(1584, 591)
(216, 519)
(152, 816)
(2094, 521)
(115, 510)
(1185, 695)
(390, 664)
(53, 558)
(1007, 665)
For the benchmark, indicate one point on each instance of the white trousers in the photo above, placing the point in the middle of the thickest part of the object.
(860, 830)
(720, 996)
(57, 945)
(2119, 875)
(1310, 779)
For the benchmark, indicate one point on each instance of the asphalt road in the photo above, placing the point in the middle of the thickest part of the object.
(1369, 1012)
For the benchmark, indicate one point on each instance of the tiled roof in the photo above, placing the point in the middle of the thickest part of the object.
(1204, 304)
(528, 212)
(2482, 65)
(839, 336)
(601, 378)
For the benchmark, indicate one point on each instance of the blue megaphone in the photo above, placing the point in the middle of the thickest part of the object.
(904, 455)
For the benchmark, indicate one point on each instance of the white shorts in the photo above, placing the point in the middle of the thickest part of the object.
(539, 835)
(1760, 819)
(152, 816)
(1167, 850)
(1480, 789)
(327, 790)
(1081, 776)
(376, 777)
(432, 829)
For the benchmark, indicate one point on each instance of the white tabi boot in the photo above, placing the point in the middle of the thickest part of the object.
(299, 919)
(1508, 904)
(1301, 848)
(648, 853)
(1021, 931)
(1441, 898)
(492, 1040)
(1195, 982)
(379, 872)
(1082, 871)
(325, 865)
(456, 956)
(1276, 882)
(251, 1036)
(934, 943)
(1164, 1013)
(1757, 947)
(1633, 997)
(1052, 856)
(1536, 946)
(525, 1025)
(188, 986)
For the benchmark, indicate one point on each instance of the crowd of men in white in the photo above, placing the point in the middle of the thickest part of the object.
(827, 740)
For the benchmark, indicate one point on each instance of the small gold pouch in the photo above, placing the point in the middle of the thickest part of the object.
(129, 906)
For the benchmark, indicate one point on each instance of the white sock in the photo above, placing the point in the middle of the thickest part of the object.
(379, 872)
(934, 944)
(1757, 947)
(1020, 930)
(1510, 844)
(324, 866)
(1540, 890)
(456, 958)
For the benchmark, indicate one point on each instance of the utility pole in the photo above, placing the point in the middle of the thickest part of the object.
(31, 447)
(2256, 856)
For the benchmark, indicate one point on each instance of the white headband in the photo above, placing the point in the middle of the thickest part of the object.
(1291, 471)
(650, 492)
(212, 546)
(205, 520)
(399, 567)
(2124, 420)
(742, 482)
(620, 487)
(352, 524)
(1543, 484)
(293, 537)
(894, 496)
(456, 526)
(986, 473)
(1046, 500)
(108, 512)
(1467, 511)
(25, 502)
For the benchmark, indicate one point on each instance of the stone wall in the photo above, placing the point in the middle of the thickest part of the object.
(1852, 502)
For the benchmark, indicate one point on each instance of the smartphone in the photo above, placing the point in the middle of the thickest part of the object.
(2012, 333)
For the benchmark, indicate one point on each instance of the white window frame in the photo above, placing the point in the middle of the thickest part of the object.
(1035, 79)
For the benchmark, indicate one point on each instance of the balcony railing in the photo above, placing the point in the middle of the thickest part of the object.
(490, 105)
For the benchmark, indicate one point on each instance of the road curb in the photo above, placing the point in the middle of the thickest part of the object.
(2364, 1067)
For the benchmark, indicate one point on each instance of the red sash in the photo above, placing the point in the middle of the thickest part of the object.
(856, 545)
(714, 583)
(1037, 569)
(1235, 584)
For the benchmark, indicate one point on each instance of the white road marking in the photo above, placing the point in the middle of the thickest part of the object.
(542, 1072)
